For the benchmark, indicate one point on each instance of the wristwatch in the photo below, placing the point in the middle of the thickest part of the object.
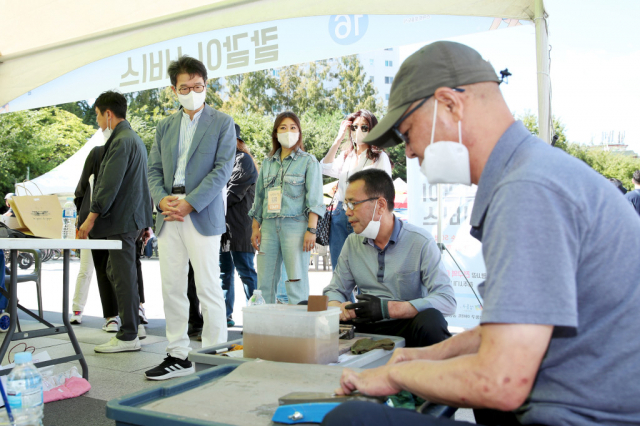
(312, 230)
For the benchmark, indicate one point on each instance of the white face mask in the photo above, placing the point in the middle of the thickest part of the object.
(192, 101)
(446, 161)
(288, 139)
(107, 132)
(373, 228)
(359, 137)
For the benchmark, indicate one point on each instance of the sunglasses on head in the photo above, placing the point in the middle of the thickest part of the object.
(363, 127)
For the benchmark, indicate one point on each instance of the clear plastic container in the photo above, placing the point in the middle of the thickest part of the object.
(69, 215)
(288, 333)
(24, 391)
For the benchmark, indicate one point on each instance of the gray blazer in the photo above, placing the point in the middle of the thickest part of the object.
(209, 164)
(121, 193)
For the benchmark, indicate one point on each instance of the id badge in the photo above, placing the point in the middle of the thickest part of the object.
(274, 200)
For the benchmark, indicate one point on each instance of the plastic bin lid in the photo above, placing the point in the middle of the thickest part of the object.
(293, 310)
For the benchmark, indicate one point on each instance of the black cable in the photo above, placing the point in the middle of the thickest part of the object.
(443, 247)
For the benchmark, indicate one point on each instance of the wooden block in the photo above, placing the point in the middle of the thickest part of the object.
(318, 303)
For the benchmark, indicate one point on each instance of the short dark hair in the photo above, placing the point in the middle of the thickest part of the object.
(112, 101)
(275, 144)
(636, 176)
(377, 183)
(186, 65)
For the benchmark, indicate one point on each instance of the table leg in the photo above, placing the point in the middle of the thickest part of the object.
(13, 304)
(65, 314)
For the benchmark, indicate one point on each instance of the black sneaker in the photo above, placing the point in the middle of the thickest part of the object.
(171, 367)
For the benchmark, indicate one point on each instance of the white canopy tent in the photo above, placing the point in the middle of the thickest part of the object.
(62, 180)
(51, 39)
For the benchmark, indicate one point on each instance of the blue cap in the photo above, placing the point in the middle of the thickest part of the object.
(22, 357)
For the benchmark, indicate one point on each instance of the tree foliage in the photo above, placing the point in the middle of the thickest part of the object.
(38, 140)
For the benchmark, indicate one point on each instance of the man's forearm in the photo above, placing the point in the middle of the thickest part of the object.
(401, 310)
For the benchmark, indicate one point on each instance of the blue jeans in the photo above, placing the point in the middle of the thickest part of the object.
(340, 230)
(282, 241)
(281, 292)
(243, 262)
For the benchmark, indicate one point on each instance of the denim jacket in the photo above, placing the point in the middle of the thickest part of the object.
(301, 186)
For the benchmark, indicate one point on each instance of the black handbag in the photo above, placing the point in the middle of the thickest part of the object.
(323, 229)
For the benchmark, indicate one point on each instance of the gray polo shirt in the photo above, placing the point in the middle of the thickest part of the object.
(407, 269)
(561, 247)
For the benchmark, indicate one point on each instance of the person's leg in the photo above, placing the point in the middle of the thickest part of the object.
(243, 262)
(174, 269)
(340, 230)
(107, 295)
(495, 418)
(226, 276)
(83, 281)
(281, 292)
(121, 269)
(195, 317)
(361, 413)
(269, 259)
(139, 276)
(427, 328)
(204, 254)
(296, 261)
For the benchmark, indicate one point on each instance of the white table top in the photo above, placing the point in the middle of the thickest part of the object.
(45, 243)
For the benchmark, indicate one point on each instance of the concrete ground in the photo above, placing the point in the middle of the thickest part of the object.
(114, 375)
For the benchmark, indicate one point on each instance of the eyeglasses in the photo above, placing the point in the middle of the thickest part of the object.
(351, 205)
(396, 127)
(363, 127)
(198, 88)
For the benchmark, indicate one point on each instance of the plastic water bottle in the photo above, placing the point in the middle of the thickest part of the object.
(256, 298)
(69, 214)
(24, 391)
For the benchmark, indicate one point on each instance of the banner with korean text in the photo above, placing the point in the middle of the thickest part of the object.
(248, 48)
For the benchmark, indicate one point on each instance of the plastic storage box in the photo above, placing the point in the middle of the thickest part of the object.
(287, 333)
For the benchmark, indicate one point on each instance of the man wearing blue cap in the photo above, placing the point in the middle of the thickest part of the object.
(559, 331)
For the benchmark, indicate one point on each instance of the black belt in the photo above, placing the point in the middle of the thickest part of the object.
(178, 190)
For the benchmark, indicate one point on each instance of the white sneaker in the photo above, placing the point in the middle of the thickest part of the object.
(143, 317)
(142, 333)
(76, 317)
(112, 325)
(117, 345)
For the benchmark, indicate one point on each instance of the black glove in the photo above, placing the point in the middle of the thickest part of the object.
(370, 309)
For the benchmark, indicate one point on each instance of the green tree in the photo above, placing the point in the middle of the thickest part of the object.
(82, 109)
(251, 92)
(40, 140)
(354, 90)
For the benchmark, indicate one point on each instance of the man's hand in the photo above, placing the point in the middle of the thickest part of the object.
(373, 382)
(369, 309)
(345, 314)
(146, 236)
(87, 226)
(412, 354)
(174, 207)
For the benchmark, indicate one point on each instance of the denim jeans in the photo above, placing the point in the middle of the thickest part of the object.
(340, 230)
(243, 262)
(281, 292)
(282, 241)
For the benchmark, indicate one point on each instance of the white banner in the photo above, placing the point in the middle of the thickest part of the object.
(248, 48)
(456, 207)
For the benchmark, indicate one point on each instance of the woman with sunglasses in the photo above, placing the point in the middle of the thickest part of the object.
(355, 157)
(285, 212)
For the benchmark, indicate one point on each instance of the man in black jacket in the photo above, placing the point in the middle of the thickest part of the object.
(119, 210)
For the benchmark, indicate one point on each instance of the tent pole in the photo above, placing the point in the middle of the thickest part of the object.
(544, 82)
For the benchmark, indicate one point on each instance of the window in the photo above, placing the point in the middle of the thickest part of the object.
(275, 73)
(388, 63)
(386, 97)
(388, 80)
(371, 62)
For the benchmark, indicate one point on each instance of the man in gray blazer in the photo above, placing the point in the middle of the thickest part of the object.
(189, 166)
(120, 208)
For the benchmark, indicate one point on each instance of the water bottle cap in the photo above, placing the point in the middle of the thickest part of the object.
(22, 357)
(69, 198)
(257, 292)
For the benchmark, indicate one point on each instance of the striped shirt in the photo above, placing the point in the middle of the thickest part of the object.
(187, 130)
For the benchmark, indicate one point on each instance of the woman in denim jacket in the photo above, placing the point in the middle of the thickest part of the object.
(285, 211)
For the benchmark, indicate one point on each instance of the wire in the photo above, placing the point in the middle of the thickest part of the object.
(26, 348)
(443, 247)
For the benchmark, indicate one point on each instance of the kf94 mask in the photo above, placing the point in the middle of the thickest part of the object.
(446, 161)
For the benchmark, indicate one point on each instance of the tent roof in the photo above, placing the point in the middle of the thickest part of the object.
(70, 34)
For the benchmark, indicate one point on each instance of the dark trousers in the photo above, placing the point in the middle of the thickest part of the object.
(243, 262)
(427, 328)
(122, 272)
(195, 316)
(105, 288)
(360, 413)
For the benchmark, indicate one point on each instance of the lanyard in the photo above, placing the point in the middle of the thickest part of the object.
(282, 175)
